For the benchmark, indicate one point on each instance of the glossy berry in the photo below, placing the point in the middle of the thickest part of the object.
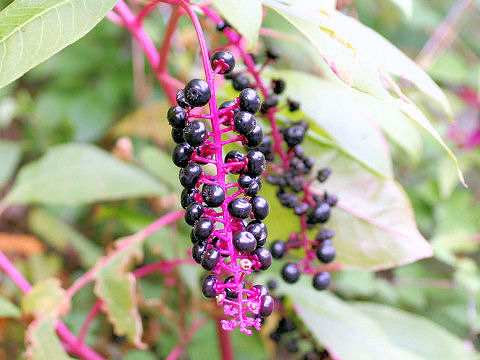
(181, 154)
(323, 174)
(249, 101)
(260, 207)
(189, 175)
(266, 148)
(240, 82)
(244, 242)
(293, 105)
(262, 290)
(253, 188)
(228, 104)
(240, 208)
(245, 180)
(203, 228)
(210, 259)
(197, 92)
(266, 305)
(287, 199)
(223, 59)
(326, 252)
(321, 280)
(290, 273)
(256, 163)
(213, 195)
(278, 86)
(301, 209)
(181, 100)
(193, 212)
(255, 137)
(195, 133)
(259, 230)
(319, 214)
(244, 122)
(278, 249)
(235, 156)
(272, 284)
(330, 199)
(187, 197)
(208, 286)
(197, 251)
(325, 234)
(177, 135)
(270, 102)
(177, 117)
(264, 257)
(294, 135)
(231, 293)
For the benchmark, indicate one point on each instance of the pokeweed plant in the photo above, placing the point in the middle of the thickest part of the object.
(222, 197)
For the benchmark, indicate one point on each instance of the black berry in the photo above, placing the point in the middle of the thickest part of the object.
(259, 231)
(240, 208)
(321, 280)
(294, 135)
(177, 135)
(264, 257)
(193, 213)
(195, 133)
(244, 122)
(197, 251)
(181, 100)
(223, 59)
(213, 195)
(208, 286)
(326, 252)
(323, 174)
(266, 305)
(203, 228)
(249, 101)
(255, 137)
(260, 207)
(240, 82)
(278, 86)
(197, 92)
(210, 259)
(181, 154)
(187, 197)
(278, 249)
(189, 175)
(244, 242)
(319, 214)
(177, 117)
(256, 163)
(290, 273)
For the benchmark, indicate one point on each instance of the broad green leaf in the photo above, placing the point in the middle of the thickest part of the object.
(10, 153)
(363, 59)
(31, 31)
(46, 297)
(62, 237)
(406, 6)
(244, 15)
(74, 174)
(419, 335)
(373, 222)
(8, 309)
(352, 128)
(42, 341)
(160, 164)
(345, 332)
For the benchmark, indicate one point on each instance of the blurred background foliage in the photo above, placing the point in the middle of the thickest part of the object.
(86, 93)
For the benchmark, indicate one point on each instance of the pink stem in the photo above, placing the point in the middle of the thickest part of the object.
(89, 319)
(225, 343)
(76, 347)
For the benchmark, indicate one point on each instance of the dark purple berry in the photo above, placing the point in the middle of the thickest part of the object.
(240, 208)
(228, 104)
(245, 180)
(235, 156)
(290, 273)
(225, 60)
(240, 82)
(256, 163)
(193, 213)
(260, 207)
(197, 251)
(244, 122)
(197, 92)
(270, 102)
(195, 133)
(253, 188)
(287, 199)
(272, 284)
(187, 197)
(330, 199)
(321, 280)
(325, 234)
(323, 174)
(293, 105)
(266, 305)
(278, 86)
(177, 135)
(213, 195)
(261, 289)
(264, 257)
(326, 252)
(286, 325)
(189, 175)
(181, 154)
(208, 286)
(255, 137)
(301, 209)
(249, 101)
(319, 214)
(272, 54)
(181, 100)
(266, 147)
(222, 25)
(294, 135)
(278, 249)
(203, 228)
(244, 242)
(177, 117)
(259, 231)
(210, 259)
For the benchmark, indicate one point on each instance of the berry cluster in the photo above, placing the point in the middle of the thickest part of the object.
(225, 241)
(287, 335)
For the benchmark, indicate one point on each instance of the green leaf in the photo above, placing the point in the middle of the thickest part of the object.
(46, 297)
(115, 286)
(8, 309)
(10, 154)
(345, 332)
(373, 222)
(406, 6)
(62, 237)
(75, 174)
(160, 164)
(321, 101)
(419, 335)
(42, 341)
(33, 31)
(363, 59)
(244, 15)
